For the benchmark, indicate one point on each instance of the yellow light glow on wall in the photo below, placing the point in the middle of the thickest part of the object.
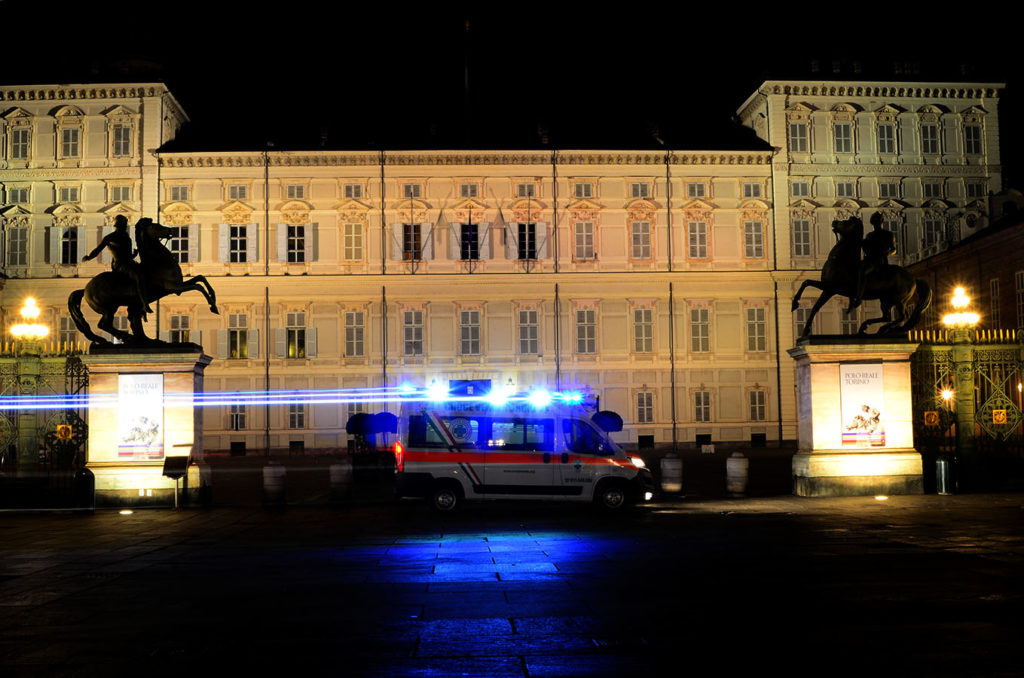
(961, 317)
(30, 329)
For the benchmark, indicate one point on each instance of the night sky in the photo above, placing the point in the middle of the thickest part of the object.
(305, 75)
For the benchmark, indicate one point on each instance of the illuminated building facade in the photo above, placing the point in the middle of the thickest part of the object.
(661, 280)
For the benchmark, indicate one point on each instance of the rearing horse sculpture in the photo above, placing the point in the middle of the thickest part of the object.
(892, 285)
(110, 290)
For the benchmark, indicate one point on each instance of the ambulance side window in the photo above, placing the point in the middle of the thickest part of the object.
(530, 435)
(465, 431)
(581, 438)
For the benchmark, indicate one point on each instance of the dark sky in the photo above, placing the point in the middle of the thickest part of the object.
(308, 75)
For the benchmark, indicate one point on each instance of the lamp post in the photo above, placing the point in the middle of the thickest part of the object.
(961, 321)
(29, 336)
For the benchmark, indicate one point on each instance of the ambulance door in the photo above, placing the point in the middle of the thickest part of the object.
(518, 462)
(585, 457)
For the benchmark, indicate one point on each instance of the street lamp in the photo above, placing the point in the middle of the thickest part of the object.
(29, 329)
(960, 318)
(31, 334)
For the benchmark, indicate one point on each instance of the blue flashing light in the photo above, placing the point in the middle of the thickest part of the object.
(539, 398)
(572, 398)
(406, 388)
(498, 396)
(437, 392)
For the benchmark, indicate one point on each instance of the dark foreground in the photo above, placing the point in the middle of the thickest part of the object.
(922, 585)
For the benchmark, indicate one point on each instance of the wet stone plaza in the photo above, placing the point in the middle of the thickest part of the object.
(913, 585)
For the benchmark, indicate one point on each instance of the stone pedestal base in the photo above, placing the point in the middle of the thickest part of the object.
(848, 474)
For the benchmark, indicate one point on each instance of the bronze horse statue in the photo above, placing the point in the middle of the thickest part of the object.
(892, 285)
(110, 290)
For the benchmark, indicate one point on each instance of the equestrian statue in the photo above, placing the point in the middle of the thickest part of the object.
(133, 284)
(873, 277)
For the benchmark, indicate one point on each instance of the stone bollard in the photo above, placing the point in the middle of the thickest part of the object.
(274, 475)
(736, 470)
(341, 479)
(671, 473)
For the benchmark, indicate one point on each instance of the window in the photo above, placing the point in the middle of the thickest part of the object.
(469, 242)
(849, 323)
(469, 332)
(295, 191)
(410, 190)
(412, 328)
(238, 244)
(238, 192)
(69, 143)
(975, 189)
(751, 190)
(526, 245)
(296, 244)
(583, 190)
(886, 138)
(296, 334)
(355, 332)
(353, 191)
(20, 139)
(68, 194)
(758, 405)
(238, 335)
(844, 189)
(296, 415)
(122, 141)
(178, 243)
(640, 189)
(757, 330)
(586, 331)
(17, 196)
(640, 239)
(179, 193)
(700, 330)
(645, 407)
(352, 236)
(753, 240)
(17, 247)
(236, 417)
(972, 139)
(842, 134)
(702, 406)
(643, 330)
(1018, 280)
(121, 323)
(800, 189)
(584, 236)
(698, 236)
(800, 317)
(411, 242)
(993, 302)
(932, 189)
(529, 343)
(932, 232)
(929, 138)
(69, 246)
(698, 190)
(120, 193)
(892, 224)
(469, 190)
(181, 326)
(888, 189)
(526, 190)
(352, 409)
(798, 137)
(801, 237)
(68, 331)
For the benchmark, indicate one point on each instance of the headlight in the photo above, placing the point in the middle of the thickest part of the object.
(638, 462)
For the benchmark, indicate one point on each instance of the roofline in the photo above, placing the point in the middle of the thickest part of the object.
(87, 91)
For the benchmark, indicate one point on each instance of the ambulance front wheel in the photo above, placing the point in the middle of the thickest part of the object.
(612, 496)
(445, 497)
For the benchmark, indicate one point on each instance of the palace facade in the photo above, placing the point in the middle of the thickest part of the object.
(660, 280)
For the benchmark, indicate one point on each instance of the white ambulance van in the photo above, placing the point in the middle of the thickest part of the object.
(453, 451)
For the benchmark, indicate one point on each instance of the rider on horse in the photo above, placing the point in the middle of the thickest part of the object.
(877, 246)
(121, 259)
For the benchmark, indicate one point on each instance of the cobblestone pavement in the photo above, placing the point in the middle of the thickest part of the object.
(923, 585)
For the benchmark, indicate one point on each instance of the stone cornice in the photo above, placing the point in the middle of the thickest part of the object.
(82, 92)
(128, 173)
(888, 90)
(868, 171)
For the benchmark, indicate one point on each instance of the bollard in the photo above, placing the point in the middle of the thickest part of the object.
(671, 473)
(944, 475)
(341, 479)
(273, 484)
(736, 471)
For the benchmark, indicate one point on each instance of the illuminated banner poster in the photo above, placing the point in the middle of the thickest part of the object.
(862, 404)
(140, 426)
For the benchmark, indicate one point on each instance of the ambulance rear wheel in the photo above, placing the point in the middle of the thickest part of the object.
(612, 497)
(445, 497)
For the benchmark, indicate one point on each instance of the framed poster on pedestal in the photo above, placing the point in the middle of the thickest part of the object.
(140, 425)
(862, 401)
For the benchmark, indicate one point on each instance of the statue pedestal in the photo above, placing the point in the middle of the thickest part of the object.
(141, 412)
(855, 418)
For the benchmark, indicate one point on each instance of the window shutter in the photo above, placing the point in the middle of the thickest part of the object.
(312, 242)
(282, 242)
(542, 240)
(104, 254)
(82, 251)
(54, 245)
(224, 243)
(511, 250)
(427, 241)
(484, 240)
(252, 343)
(193, 244)
(281, 342)
(454, 244)
(222, 344)
(196, 336)
(396, 242)
(310, 342)
(252, 242)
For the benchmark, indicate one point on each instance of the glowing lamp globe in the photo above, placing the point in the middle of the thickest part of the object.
(30, 329)
(961, 318)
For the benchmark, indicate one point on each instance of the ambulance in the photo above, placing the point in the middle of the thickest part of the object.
(538, 445)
